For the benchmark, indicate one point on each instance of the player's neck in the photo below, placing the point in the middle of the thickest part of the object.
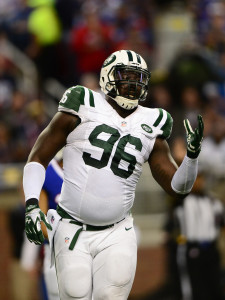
(121, 111)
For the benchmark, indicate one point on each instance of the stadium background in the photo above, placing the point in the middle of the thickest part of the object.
(47, 46)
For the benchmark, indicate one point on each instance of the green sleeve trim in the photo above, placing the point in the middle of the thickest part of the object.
(159, 119)
(73, 98)
(167, 127)
(91, 98)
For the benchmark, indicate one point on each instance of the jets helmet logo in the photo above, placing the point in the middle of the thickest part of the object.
(109, 60)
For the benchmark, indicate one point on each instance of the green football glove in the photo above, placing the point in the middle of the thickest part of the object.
(33, 217)
(194, 138)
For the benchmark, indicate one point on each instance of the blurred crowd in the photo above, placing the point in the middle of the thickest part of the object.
(47, 46)
(183, 43)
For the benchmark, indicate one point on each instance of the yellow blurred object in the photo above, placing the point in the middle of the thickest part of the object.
(44, 24)
(158, 76)
(178, 24)
(35, 108)
(181, 240)
(11, 176)
(35, 3)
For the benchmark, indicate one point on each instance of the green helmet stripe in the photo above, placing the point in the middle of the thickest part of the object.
(138, 58)
(159, 119)
(91, 99)
(130, 56)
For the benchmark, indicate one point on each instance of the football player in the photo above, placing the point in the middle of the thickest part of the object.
(107, 140)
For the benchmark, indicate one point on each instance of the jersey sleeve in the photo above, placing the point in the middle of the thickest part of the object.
(164, 122)
(72, 100)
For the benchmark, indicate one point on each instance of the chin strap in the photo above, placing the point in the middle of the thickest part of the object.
(125, 103)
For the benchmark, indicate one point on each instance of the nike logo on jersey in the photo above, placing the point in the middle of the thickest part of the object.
(128, 228)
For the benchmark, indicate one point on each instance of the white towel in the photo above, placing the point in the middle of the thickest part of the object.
(53, 218)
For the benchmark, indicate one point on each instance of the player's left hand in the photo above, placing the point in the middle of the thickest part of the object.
(194, 137)
(33, 217)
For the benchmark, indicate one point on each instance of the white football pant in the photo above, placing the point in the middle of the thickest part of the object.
(102, 262)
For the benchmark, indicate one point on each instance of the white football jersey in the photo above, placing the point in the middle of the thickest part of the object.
(104, 154)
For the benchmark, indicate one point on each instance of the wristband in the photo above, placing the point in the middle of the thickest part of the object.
(33, 180)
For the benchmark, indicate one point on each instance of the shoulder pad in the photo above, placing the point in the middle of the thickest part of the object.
(75, 96)
(164, 122)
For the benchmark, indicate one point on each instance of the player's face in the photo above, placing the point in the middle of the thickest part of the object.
(127, 83)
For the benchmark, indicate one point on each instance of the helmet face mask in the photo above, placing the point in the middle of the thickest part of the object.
(124, 77)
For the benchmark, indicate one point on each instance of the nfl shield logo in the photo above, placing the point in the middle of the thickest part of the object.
(67, 240)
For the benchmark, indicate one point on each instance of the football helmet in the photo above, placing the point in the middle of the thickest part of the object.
(125, 77)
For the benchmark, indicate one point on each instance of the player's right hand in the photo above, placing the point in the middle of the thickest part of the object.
(33, 217)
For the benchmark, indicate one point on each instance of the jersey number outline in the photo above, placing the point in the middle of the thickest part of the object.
(65, 95)
(108, 145)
